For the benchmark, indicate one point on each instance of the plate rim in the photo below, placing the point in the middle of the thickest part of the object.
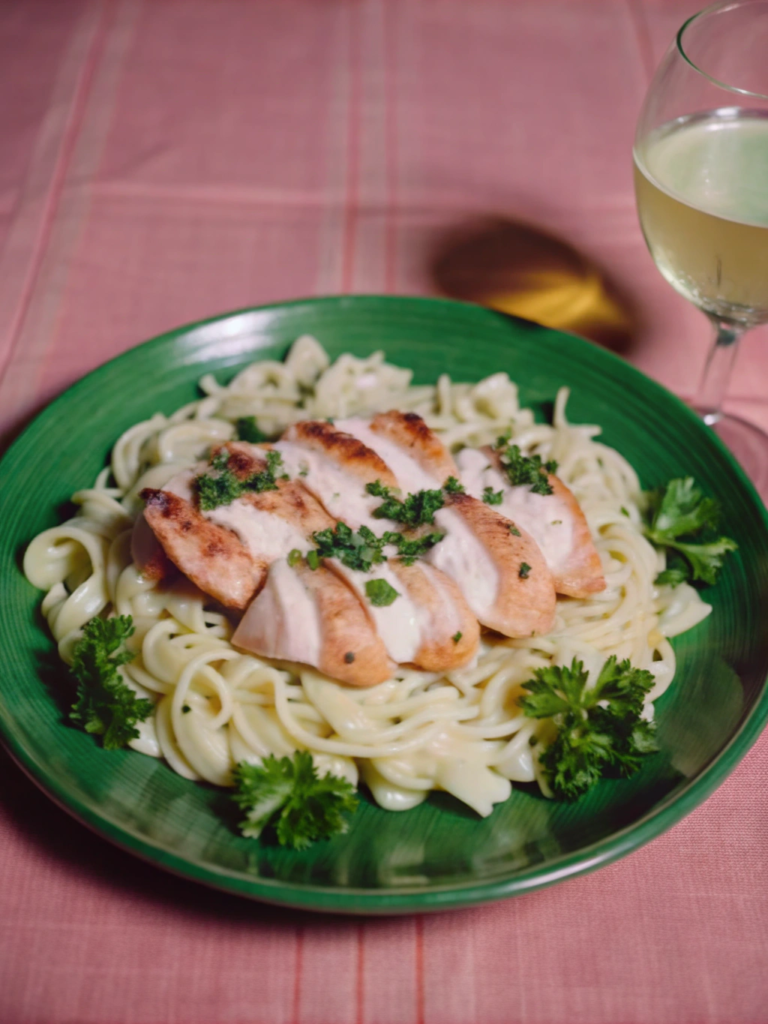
(397, 900)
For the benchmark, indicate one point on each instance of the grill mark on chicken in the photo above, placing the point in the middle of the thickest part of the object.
(343, 449)
(409, 431)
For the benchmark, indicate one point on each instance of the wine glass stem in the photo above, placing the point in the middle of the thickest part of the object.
(717, 371)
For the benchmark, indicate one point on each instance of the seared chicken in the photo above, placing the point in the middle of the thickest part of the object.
(335, 467)
(311, 616)
(226, 551)
(555, 521)
(502, 574)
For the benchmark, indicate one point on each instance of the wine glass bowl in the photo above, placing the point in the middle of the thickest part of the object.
(701, 181)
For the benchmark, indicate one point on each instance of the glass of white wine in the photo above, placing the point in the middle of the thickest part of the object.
(701, 181)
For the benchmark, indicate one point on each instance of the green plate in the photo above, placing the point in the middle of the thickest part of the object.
(440, 854)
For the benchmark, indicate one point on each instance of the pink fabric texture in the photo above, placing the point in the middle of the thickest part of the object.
(164, 161)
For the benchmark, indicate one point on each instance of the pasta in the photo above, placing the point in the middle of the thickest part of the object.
(462, 732)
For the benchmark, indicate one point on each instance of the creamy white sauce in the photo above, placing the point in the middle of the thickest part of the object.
(283, 621)
(400, 624)
(445, 618)
(342, 494)
(461, 556)
(265, 535)
(546, 517)
(182, 485)
(410, 475)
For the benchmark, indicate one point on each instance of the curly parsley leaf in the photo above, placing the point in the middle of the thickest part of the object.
(524, 470)
(225, 486)
(380, 593)
(105, 704)
(415, 509)
(683, 521)
(600, 731)
(248, 430)
(288, 795)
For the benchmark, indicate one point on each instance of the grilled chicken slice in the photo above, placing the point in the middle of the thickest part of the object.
(503, 576)
(555, 521)
(409, 432)
(335, 467)
(312, 617)
(148, 554)
(226, 551)
(451, 633)
(415, 456)
(213, 557)
(418, 624)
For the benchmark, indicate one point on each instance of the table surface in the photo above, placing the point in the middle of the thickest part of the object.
(163, 161)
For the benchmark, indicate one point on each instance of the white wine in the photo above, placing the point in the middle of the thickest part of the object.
(702, 196)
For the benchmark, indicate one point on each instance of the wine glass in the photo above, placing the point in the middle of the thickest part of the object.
(701, 181)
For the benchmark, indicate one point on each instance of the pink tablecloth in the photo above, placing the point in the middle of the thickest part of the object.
(163, 161)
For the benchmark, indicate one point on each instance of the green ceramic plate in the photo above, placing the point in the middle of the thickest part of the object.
(440, 854)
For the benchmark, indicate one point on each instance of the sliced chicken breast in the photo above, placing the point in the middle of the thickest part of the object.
(313, 617)
(450, 635)
(555, 521)
(226, 551)
(335, 467)
(408, 431)
(503, 575)
(148, 554)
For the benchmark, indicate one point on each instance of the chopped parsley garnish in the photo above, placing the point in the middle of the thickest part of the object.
(491, 497)
(456, 637)
(453, 486)
(357, 550)
(514, 530)
(288, 795)
(380, 593)
(294, 557)
(600, 731)
(527, 470)
(410, 550)
(362, 549)
(225, 487)
(524, 570)
(687, 524)
(185, 709)
(414, 510)
(105, 704)
(624, 512)
(248, 430)
(313, 559)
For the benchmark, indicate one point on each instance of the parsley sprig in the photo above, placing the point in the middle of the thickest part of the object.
(683, 521)
(600, 731)
(289, 796)
(105, 704)
(224, 487)
(524, 470)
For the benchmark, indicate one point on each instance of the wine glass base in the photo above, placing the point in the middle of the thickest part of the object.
(749, 445)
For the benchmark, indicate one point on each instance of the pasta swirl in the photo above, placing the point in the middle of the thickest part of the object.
(462, 732)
